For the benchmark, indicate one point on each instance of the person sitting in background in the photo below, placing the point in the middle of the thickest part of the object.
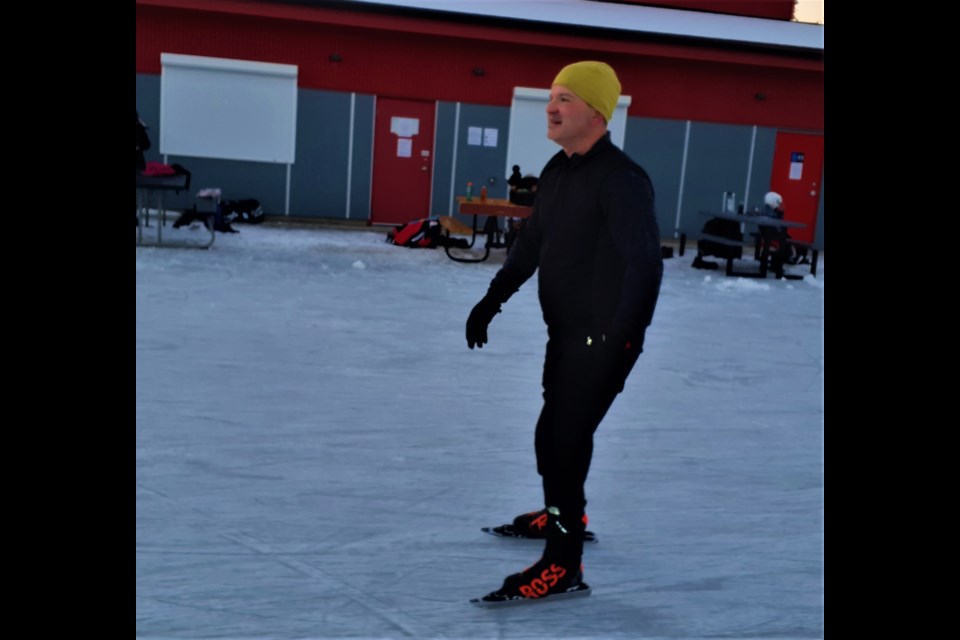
(522, 192)
(514, 180)
(523, 189)
(529, 183)
(791, 254)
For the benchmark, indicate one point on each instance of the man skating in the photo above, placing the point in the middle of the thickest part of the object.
(594, 241)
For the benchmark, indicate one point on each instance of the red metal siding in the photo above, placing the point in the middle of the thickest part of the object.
(775, 9)
(665, 81)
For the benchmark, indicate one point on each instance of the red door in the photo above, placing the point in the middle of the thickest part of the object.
(402, 161)
(797, 167)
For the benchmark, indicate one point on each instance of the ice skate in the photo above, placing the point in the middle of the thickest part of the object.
(544, 580)
(531, 525)
(557, 574)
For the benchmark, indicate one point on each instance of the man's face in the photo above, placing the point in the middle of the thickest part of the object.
(571, 122)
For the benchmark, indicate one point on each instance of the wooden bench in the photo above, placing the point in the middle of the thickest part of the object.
(452, 225)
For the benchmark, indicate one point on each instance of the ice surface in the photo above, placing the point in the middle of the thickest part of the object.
(317, 450)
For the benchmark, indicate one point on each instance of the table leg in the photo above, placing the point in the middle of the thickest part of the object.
(473, 240)
(140, 220)
(160, 217)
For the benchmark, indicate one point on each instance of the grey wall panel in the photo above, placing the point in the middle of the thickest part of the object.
(478, 164)
(318, 177)
(148, 106)
(657, 146)
(237, 180)
(762, 167)
(362, 173)
(443, 159)
(717, 161)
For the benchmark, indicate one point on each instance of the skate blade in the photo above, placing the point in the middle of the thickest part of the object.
(504, 531)
(583, 589)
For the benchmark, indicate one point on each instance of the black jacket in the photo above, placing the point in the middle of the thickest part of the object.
(593, 235)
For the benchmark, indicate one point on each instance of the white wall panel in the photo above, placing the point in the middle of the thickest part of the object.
(528, 145)
(228, 109)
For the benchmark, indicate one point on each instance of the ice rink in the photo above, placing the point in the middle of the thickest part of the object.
(317, 450)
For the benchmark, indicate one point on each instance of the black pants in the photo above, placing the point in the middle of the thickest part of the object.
(580, 382)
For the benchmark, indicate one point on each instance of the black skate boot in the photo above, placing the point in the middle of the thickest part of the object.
(540, 581)
(558, 573)
(532, 525)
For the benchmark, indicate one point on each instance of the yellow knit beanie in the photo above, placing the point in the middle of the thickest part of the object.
(594, 82)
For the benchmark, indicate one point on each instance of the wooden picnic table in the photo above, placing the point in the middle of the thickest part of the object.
(491, 207)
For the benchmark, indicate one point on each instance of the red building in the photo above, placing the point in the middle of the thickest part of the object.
(729, 68)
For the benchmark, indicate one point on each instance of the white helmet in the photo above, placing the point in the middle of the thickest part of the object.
(773, 200)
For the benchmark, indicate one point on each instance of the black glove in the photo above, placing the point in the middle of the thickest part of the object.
(479, 319)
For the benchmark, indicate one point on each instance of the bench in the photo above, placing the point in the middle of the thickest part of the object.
(452, 225)
(727, 242)
(814, 251)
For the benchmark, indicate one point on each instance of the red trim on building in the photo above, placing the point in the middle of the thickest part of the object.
(427, 59)
(773, 9)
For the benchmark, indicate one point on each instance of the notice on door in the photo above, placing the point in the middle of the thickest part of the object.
(404, 127)
(404, 147)
(796, 165)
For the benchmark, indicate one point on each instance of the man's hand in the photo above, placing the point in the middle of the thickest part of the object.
(480, 319)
